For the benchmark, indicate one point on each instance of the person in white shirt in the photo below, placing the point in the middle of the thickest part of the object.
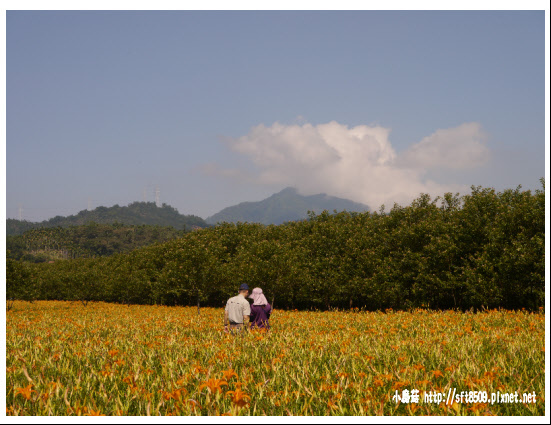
(238, 310)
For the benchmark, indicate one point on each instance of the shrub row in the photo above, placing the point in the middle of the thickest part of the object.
(485, 249)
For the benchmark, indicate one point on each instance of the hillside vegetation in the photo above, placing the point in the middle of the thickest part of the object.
(483, 250)
(136, 214)
(86, 241)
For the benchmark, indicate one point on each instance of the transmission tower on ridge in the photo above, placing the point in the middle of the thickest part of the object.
(157, 196)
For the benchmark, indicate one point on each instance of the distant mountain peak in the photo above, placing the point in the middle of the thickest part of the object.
(286, 205)
(289, 189)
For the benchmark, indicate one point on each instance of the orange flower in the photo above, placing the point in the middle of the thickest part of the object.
(129, 379)
(199, 369)
(238, 384)
(175, 395)
(25, 392)
(399, 385)
(378, 382)
(178, 393)
(228, 374)
(213, 385)
(437, 373)
(332, 405)
(221, 355)
(489, 375)
(239, 397)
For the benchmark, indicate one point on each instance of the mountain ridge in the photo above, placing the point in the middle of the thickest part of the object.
(136, 213)
(286, 205)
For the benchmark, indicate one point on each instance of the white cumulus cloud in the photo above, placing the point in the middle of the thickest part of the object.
(358, 163)
(461, 147)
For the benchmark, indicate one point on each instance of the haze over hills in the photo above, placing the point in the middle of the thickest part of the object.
(287, 205)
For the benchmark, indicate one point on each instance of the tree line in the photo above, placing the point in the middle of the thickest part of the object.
(87, 241)
(482, 250)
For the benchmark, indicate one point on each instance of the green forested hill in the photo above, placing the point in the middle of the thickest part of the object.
(137, 213)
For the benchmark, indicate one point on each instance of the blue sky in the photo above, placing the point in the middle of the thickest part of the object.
(219, 107)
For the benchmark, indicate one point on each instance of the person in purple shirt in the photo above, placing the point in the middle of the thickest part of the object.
(260, 310)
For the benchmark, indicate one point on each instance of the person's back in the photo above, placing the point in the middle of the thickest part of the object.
(260, 315)
(237, 310)
(260, 310)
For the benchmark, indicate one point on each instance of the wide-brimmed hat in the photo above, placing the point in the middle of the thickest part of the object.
(258, 297)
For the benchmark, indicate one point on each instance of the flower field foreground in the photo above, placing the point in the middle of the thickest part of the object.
(109, 359)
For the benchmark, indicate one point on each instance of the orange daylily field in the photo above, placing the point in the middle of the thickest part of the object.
(109, 359)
